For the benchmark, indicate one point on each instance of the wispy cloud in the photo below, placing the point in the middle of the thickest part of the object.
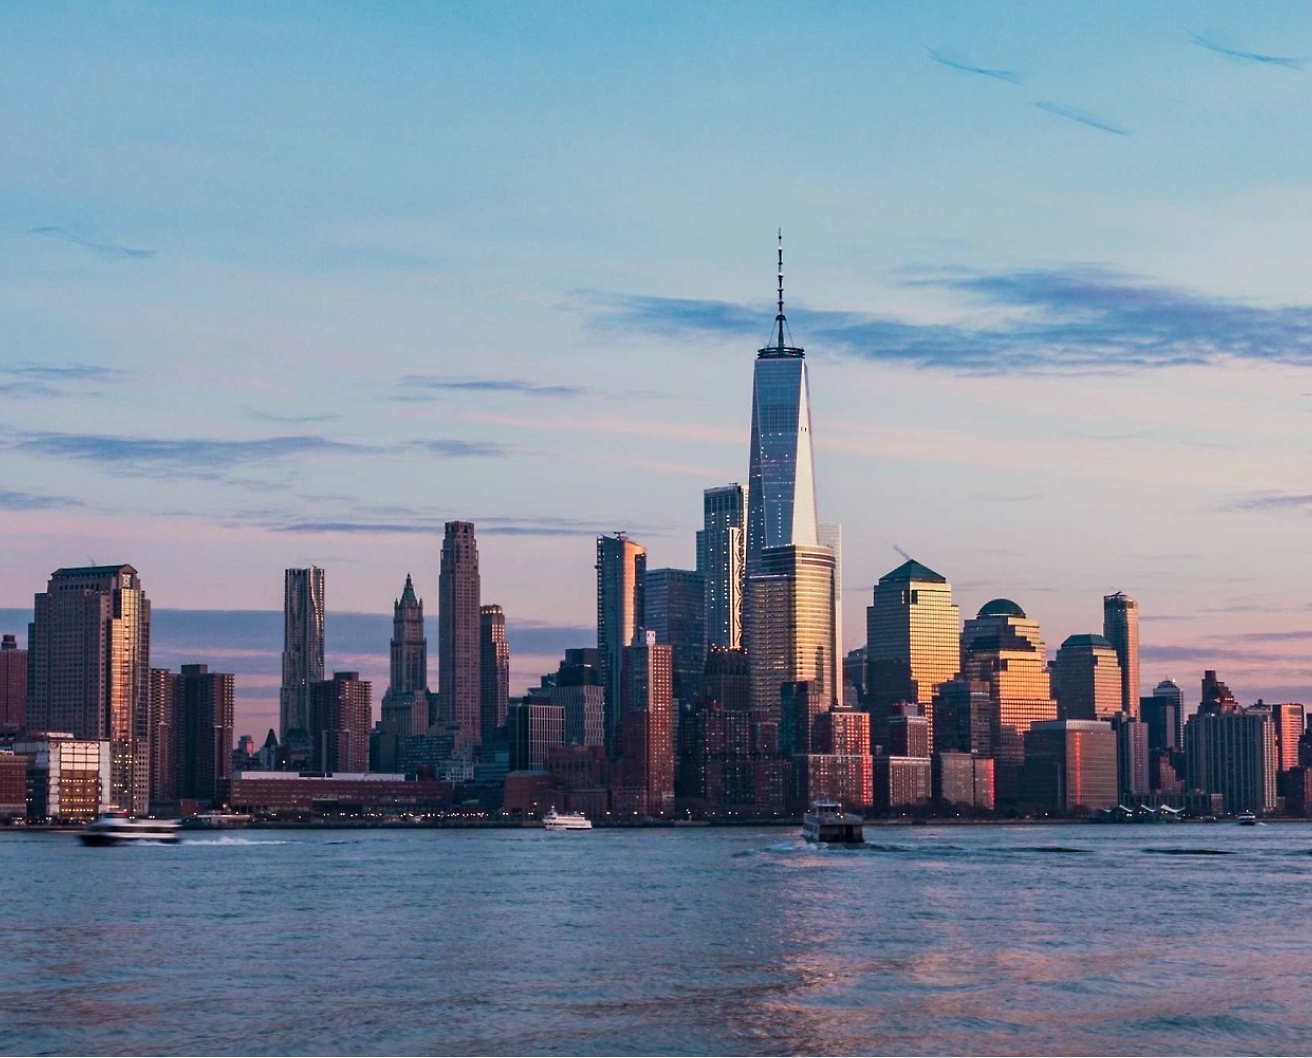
(28, 379)
(198, 457)
(1273, 501)
(1083, 319)
(956, 62)
(28, 501)
(429, 526)
(413, 387)
(268, 416)
(1210, 42)
(89, 240)
(1061, 110)
(452, 448)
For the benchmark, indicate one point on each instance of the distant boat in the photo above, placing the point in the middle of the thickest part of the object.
(554, 820)
(116, 827)
(827, 823)
(217, 821)
(1247, 819)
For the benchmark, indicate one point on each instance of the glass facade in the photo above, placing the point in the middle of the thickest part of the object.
(302, 652)
(1086, 679)
(781, 478)
(720, 560)
(1120, 627)
(913, 641)
(621, 611)
(791, 631)
(1002, 648)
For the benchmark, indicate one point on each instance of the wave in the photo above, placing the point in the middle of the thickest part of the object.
(230, 840)
(1189, 852)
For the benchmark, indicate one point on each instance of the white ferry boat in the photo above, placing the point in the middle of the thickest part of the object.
(827, 823)
(116, 827)
(554, 820)
(1247, 819)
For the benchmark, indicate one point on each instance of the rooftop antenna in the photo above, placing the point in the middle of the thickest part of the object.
(780, 346)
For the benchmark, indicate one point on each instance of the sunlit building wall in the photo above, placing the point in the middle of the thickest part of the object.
(1002, 648)
(302, 652)
(913, 642)
(721, 560)
(1120, 626)
(621, 611)
(1070, 766)
(1086, 679)
(790, 637)
(1233, 754)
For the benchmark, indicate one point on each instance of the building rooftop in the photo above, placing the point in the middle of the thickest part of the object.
(913, 570)
(1000, 608)
(1086, 639)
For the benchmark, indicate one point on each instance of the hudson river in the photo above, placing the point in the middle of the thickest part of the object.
(1159, 939)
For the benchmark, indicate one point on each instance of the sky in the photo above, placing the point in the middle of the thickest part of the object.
(294, 284)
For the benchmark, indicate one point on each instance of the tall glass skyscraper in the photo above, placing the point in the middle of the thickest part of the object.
(621, 611)
(1120, 627)
(781, 474)
(721, 554)
(913, 642)
(459, 681)
(302, 650)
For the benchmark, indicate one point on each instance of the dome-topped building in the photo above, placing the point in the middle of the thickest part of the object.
(1001, 608)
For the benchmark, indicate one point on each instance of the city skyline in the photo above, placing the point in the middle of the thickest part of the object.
(1022, 353)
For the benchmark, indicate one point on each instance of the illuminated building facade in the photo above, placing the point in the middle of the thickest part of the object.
(89, 656)
(647, 725)
(1070, 766)
(1002, 647)
(459, 684)
(1086, 679)
(1232, 752)
(302, 651)
(1120, 627)
(721, 559)
(1290, 724)
(621, 611)
(913, 642)
(494, 669)
(13, 686)
(791, 633)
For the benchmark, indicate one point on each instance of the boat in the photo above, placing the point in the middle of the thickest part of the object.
(554, 820)
(826, 823)
(116, 827)
(1247, 819)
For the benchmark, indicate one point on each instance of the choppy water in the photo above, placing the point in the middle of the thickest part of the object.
(1034, 939)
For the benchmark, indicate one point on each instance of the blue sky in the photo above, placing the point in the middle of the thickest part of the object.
(290, 284)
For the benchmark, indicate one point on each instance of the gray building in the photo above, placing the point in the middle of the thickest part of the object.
(406, 701)
(535, 727)
(675, 612)
(1086, 679)
(494, 669)
(204, 721)
(302, 651)
(1233, 754)
(459, 682)
(1070, 766)
(1163, 712)
(721, 557)
(89, 670)
(1120, 627)
(621, 611)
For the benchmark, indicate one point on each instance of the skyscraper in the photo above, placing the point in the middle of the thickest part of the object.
(494, 669)
(675, 612)
(89, 654)
(340, 718)
(830, 535)
(458, 664)
(302, 651)
(621, 611)
(790, 634)
(406, 700)
(1120, 626)
(204, 708)
(1163, 711)
(913, 642)
(648, 724)
(1086, 679)
(1002, 647)
(781, 506)
(721, 554)
(1290, 724)
(163, 738)
(1233, 752)
(13, 686)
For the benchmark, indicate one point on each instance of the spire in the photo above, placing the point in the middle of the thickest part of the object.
(778, 340)
(408, 595)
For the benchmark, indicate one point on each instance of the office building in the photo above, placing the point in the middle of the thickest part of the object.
(13, 686)
(675, 605)
(69, 779)
(721, 558)
(1232, 752)
(405, 703)
(1290, 725)
(846, 778)
(965, 718)
(830, 535)
(302, 651)
(799, 705)
(1086, 679)
(781, 508)
(902, 783)
(728, 679)
(647, 726)
(1070, 766)
(1132, 781)
(13, 787)
(913, 642)
(1216, 695)
(577, 689)
(963, 782)
(790, 636)
(494, 669)
(536, 727)
(1163, 712)
(163, 739)
(342, 794)
(621, 611)
(1002, 647)
(204, 720)
(1120, 627)
(908, 732)
(89, 670)
(341, 714)
(842, 731)
(459, 679)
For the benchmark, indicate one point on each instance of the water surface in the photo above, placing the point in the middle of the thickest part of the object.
(999, 939)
